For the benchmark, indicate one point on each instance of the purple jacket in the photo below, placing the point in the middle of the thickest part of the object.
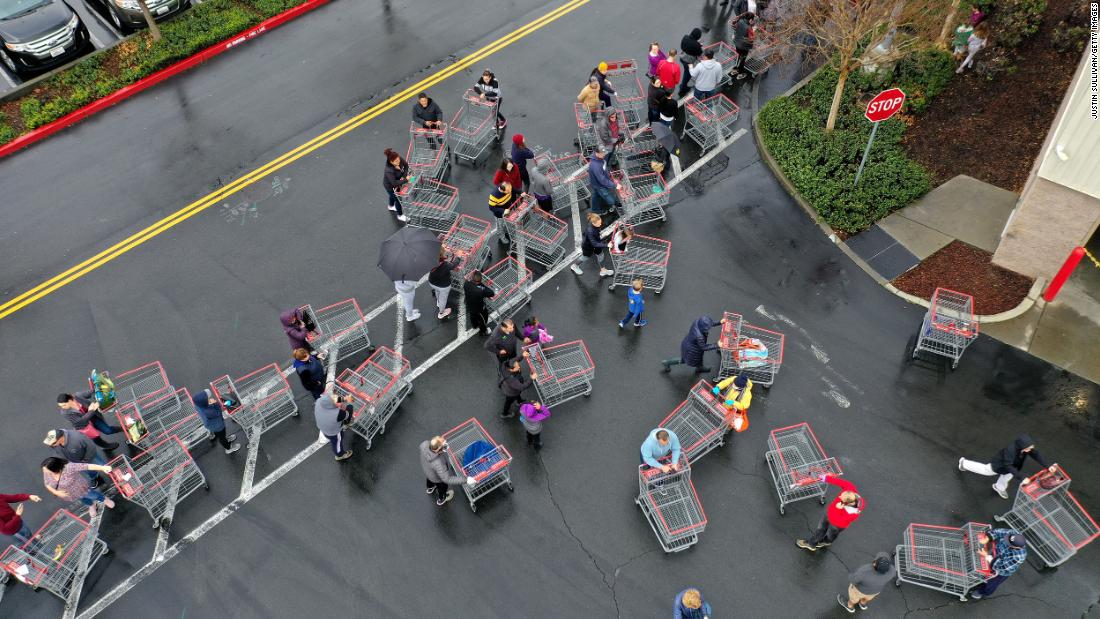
(528, 411)
(654, 61)
(531, 331)
(296, 334)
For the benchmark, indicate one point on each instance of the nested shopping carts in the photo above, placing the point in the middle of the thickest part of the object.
(645, 258)
(796, 461)
(58, 557)
(699, 422)
(586, 128)
(564, 371)
(429, 203)
(258, 401)
(158, 478)
(473, 127)
(671, 506)
(630, 97)
(710, 121)
(467, 240)
(764, 53)
(948, 559)
(377, 388)
(568, 176)
(140, 382)
(341, 325)
(750, 350)
(1051, 518)
(543, 235)
(643, 196)
(159, 416)
(508, 279)
(949, 326)
(427, 154)
(726, 56)
(471, 452)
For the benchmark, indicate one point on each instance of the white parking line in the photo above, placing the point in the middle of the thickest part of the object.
(8, 78)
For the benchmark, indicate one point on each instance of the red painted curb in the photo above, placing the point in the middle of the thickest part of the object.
(153, 79)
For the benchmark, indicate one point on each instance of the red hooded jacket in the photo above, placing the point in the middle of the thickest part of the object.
(10, 522)
(841, 515)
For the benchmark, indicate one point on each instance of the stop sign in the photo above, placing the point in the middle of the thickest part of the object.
(884, 105)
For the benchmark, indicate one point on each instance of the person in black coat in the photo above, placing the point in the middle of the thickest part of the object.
(394, 178)
(657, 93)
(692, 49)
(504, 343)
(476, 293)
(1006, 464)
(439, 278)
(512, 384)
(426, 113)
(311, 372)
(742, 42)
(695, 345)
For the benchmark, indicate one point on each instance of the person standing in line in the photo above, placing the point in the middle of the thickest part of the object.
(659, 444)
(606, 91)
(64, 480)
(689, 604)
(510, 173)
(331, 413)
(475, 293)
(407, 291)
(534, 332)
(488, 88)
(654, 95)
(589, 96)
(707, 74)
(393, 179)
(298, 333)
(844, 510)
(433, 461)
(504, 342)
(974, 44)
(1006, 464)
(11, 520)
(212, 414)
(501, 199)
(609, 134)
(426, 113)
(310, 371)
(667, 110)
(692, 49)
(655, 58)
(1007, 555)
(667, 139)
(742, 42)
(86, 418)
(439, 278)
(742, 8)
(669, 72)
(520, 156)
(635, 305)
(75, 447)
(512, 384)
(541, 189)
(694, 345)
(531, 415)
(867, 582)
(604, 188)
(592, 245)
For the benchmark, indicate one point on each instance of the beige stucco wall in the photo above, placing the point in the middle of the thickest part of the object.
(1050, 220)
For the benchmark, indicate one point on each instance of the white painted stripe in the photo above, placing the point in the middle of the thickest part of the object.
(8, 78)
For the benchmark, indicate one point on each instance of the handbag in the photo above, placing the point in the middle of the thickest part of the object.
(89, 431)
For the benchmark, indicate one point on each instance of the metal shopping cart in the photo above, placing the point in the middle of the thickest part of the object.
(671, 506)
(644, 197)
(508, 279)
(943, 558)
(258, 401)
(764, 53)
(796, 461)
(727, 343)
(151, 419)
(948, 327)
(754, 351)
(645, 258)
(710, 121)
(431, 204)
(587, 141)
(340, 325)
(427, 154)
(630, 97)
(149, 379)
(378, 387)
(543, 235)
(726, 56)
(699, 422)
(58, 558)
(565, 371)
(473, 128)
(1051, 518)
(471, 452)
(467, 240)
(568, 176)
(158, 478)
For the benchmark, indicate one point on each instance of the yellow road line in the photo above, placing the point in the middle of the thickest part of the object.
(76, 272)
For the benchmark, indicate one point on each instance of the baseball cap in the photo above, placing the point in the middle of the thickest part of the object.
(52, 436)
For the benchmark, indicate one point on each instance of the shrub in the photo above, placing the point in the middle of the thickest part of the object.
(1069, 39)
(7, 134)
(1016, 20)
(267, 8)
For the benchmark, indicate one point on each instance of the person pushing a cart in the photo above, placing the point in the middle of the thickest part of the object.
(844, 510)
(433, 461)
(1007, 463)
(737, 400)
(1007, 552)
(659, 444)
(694, 345)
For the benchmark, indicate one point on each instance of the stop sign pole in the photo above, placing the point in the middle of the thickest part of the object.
(883, 106)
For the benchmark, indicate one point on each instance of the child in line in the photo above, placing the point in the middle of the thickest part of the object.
(620, 237)
(737, 401)
(535, 332)
(531, 415)
(974, 43)
(635, 305)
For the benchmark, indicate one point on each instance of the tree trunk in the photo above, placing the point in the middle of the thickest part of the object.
(149, 21)
(834, 109)
(947, 23)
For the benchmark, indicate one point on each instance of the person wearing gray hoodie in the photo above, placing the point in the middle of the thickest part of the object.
(707, 74)
(867, 582)
(433, 461)
(331, 412)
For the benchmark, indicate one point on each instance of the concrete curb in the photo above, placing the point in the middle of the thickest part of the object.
(773, 165)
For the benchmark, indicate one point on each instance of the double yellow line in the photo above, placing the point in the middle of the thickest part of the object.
(73, 273)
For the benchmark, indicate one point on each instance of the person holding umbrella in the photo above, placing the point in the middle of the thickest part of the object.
(405, 257)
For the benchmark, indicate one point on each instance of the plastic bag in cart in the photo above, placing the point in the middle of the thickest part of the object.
(751, 353)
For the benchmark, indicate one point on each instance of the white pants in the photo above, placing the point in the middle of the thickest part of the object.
(984, 469)
(407, 291)
(969, 61)
(441, 295)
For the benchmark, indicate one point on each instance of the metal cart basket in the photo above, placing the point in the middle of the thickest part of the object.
(378, 386)
(158, 478)
(543, 235)
(948, 327)
(710, 121)
(509, 280)
(58, 558)
(644, 197)
(568, 176)
(149, 379)
(751, 350)
(726, 56)
(942, 558)
(340, 324)
(467, 240)
(427, 154)
(1051, 518)
(645, 258)
(671, 506)
(488, 463)
(699, 422)
(565, 371)
(157, 417)
(630, 97)
(258, 401)
(473, 128)
(429, 203)
(796, 460)
(764, 53)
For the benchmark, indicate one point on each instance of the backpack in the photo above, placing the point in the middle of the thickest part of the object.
(103, 389)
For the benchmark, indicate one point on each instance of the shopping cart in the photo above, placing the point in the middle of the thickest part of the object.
(376, 389)
(948, 326)
(340, 326)
(158, 478)
(568, 176)
(727, 343)
(258, 401)
(427, 154)
(471, 452)
(1051, 518)
(467, 240)
(671, 506)
(630, 97)
(943, 558)
(710, 121)
(764, 53)
(726, 56)
(699, 422)
(543, 235)
(508, 279)
(796, 461)
(58, 557)
(473, 128)
(565, 371)
(643, 196)
(645, 258)
(149, 420)
(149, 379)
(587, 141)
(429, 203)
(750, 350)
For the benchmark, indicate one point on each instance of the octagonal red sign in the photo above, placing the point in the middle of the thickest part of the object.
(884, 105)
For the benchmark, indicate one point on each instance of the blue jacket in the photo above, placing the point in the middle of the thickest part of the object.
(679, 611)
(521, 156)
(210, 411)
(598, 176)
(312, 372)
(695, 343)
(591, 243)
(652, 450)
(635, 301)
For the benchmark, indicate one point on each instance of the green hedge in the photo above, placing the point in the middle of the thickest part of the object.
(823, 167)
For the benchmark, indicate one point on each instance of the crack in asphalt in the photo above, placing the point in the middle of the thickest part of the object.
(909, 609)
(1089, 609)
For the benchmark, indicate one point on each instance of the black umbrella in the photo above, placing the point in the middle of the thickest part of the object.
(408, 254)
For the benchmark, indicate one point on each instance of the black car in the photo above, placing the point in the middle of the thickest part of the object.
(126, 14)
(39, 34)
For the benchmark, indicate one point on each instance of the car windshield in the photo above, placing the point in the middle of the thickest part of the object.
(15, 8)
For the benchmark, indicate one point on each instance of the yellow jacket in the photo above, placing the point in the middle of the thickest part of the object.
(735, 398)
(590, 98)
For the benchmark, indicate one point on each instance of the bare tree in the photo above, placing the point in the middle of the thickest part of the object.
(845, 33)
(947, 24)
(154, 30)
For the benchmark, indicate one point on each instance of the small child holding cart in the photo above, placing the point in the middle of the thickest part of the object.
(737, 401)
(635, 305)
(531, 415)
(620, 237)
(534, 332)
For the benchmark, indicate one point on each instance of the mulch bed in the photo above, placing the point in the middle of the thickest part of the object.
(965, 268)
(993, 130)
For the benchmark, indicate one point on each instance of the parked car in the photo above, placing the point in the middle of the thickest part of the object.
(39, 34)
(126, 14)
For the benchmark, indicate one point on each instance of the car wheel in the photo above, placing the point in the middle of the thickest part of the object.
(117, 21)
(8, 62)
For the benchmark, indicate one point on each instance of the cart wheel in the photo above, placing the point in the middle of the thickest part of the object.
(897, 583)
(954, 364)
(588, 391)
(782, 510)
(156, 524)
(205, 485)
(657, 292)
(511, 488)
(911, 347)
(473, 508)
(297, 414)
(382, 429)
(368, 445)
(822, 499)
(998, 519)
(611, 287)
(164, 522)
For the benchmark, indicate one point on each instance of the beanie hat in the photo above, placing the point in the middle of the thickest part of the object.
(1017, 540)
(741, 381)
(517, 138)
(603, 67)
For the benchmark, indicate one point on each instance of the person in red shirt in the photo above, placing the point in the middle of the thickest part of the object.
(668, 70)
(11, 520)
(839, 515)
(508, 171)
